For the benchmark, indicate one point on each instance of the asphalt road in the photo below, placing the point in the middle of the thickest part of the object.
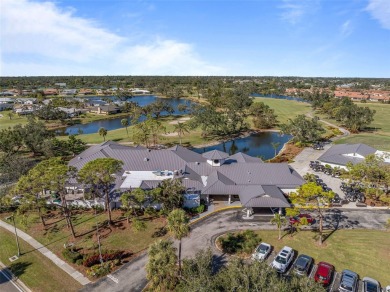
(132, 276)
(6, 285)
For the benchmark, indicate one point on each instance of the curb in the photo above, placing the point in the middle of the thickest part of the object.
(213, 213)
(15, 279)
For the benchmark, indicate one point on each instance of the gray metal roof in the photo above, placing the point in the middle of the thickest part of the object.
(215, 154)
(337, 154)
(265, 196)
(242, 158)
(256, 183)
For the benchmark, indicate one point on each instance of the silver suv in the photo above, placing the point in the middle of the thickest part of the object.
(283, 259)
(349, 281)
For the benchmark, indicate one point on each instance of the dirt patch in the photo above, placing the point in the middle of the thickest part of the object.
(182, 120)
(287, 154)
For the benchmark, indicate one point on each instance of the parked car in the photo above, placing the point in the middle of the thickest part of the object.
(324, 273)
(297, 219)
(283, 259)
(349, 281)
(302, 265)
(387, 289)
(262, 251)
(371, 285)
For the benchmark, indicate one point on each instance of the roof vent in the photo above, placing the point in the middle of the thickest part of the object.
(146, 159)
(197, 163)
(79, 158)
(149, 150)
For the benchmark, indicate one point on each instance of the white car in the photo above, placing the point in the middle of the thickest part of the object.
(283, 259)
(262, 251)
(387, 289)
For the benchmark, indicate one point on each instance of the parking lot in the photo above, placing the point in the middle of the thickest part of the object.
(333, 287)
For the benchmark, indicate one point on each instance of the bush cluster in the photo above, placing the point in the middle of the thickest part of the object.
(72, 256)
(106, 256)
(241, 242)
(195, 210)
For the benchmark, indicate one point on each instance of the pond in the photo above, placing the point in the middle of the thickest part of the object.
(277, 96)
(113, 124)
(257, 145)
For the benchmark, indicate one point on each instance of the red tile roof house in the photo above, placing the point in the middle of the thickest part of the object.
(86, 91)
(212, 176)
(50, 91)
(353, 95)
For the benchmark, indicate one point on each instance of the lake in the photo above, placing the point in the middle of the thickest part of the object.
(257, 145)
(113, 124)
(277, 96)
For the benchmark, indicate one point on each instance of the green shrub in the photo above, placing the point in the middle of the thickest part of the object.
(241, 242)
(72, 256)
(99, 270)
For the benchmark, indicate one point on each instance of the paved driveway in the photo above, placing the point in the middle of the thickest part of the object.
(132, 276)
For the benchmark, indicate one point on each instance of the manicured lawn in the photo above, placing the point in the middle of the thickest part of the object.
(119, 236)
(33, 268)
(5, 122)
(285, 109)
(367, 252)
(379, 134)
(192, 138)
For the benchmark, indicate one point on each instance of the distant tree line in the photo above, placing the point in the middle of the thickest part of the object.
(355, 118)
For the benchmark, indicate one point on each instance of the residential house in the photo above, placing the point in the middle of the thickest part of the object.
(105, 110)
(137, 91)
(50, 91)
(69, 92)
(86, 91)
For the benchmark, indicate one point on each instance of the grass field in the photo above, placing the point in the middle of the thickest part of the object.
(119, 135)
(378, 136)
(285, 109)
(34, 269)
(119, 236)
(366, 252)
(5, 122)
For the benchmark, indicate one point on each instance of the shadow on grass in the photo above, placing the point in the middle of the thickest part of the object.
(19, 268)
(160, 232)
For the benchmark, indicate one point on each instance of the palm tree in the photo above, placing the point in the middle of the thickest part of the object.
(178, 226)
(181, 129)
(125, 123)
(279, 220)
(161, 267)
(275, 145)
(103, 132)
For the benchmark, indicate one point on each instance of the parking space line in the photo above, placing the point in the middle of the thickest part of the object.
(334, 280)
(313, 270)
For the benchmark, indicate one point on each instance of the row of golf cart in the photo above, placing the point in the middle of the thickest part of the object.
(328, 170)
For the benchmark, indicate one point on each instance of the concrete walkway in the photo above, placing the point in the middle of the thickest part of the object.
(47, 253)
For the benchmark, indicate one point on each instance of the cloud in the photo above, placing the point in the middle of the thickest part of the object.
(380, 10)
(346, 28)
(295, 10)
(39, 38)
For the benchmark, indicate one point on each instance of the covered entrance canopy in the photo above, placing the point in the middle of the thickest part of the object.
(263, 196)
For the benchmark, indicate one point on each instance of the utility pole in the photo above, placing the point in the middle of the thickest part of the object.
(16, 232)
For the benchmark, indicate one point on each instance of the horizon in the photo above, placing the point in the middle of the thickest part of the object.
(284, 38)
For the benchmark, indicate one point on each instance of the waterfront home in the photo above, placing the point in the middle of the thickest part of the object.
(86, 91)
(105, 110)
(139, 91)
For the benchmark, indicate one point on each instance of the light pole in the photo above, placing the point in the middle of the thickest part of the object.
(16, 233)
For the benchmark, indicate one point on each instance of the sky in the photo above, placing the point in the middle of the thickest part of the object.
(313, 38)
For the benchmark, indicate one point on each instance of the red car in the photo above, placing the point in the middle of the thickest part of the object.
(324, 273)
(297, 219)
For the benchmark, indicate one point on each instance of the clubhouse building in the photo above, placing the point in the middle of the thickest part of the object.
(211, 176)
